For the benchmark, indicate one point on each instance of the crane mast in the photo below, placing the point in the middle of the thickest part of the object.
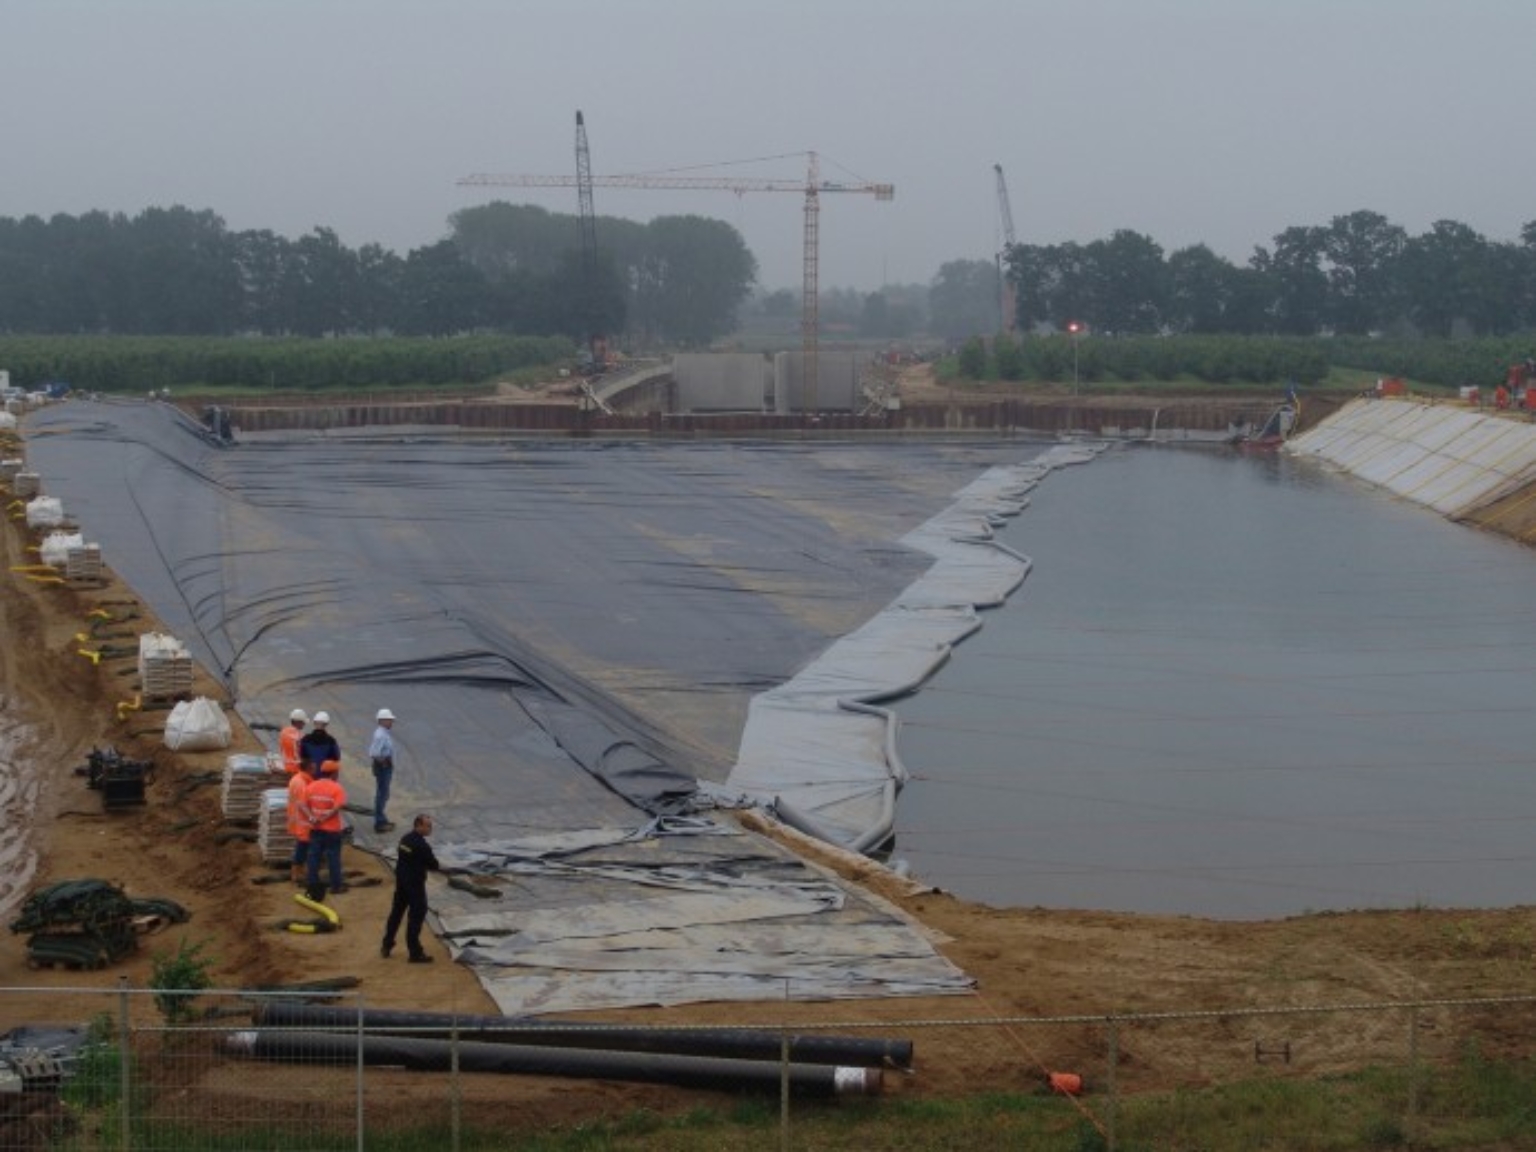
(596, 345)
(1007, 300)
(812, 188)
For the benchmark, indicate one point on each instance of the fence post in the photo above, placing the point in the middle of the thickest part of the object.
(1413, 1072)
(125, 1056)
(455, 1090)
(784, 1077)
(358, 1121)
(1109, 1084)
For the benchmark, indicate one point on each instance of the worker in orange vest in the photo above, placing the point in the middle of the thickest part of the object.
(298, 821)
(288, 740)
(323, 802)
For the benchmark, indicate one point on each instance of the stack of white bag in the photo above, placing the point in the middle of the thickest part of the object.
(246, 776)
(273, 839)
(165, 668)
(197, 725)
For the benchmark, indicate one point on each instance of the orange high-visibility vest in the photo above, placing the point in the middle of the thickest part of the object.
(298, 817)
(325, 799)
(288, 742)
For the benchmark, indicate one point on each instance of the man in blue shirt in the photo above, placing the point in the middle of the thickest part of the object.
(381, 751)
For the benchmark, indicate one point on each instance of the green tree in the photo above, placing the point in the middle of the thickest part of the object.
(1201, 289)
(1446, 278)
(1128, 277)
(962, 299)
(1363, 249)
(1295, 274)
(973, 359)
(441, 293)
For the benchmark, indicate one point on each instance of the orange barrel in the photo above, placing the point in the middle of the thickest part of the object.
(1066, 1083)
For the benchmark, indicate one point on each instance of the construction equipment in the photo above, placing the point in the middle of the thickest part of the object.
(597, 343)
(119, 780)
(1007, 299)
(812, 187)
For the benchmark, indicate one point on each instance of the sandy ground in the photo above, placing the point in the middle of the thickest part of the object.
(57, 705)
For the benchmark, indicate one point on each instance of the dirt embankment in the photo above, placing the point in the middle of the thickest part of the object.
(1028, 962)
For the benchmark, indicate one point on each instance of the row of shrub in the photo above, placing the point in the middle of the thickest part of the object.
(1449, 363)
(1088, 359)
(151, 363)
(1242, 359)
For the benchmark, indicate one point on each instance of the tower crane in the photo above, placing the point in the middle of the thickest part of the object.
(811, 187)
(1007, 300)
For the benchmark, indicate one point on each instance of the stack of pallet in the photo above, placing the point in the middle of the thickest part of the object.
(273, 839)
(9, 468)
(165, 666)
(83, 562)
(246, 777)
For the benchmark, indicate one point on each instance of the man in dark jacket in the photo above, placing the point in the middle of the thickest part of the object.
(318, 745)
(412, 863)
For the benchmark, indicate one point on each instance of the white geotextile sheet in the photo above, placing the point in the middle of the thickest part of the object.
(1449, 460)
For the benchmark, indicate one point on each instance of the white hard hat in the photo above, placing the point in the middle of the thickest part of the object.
(298, 714)
(385, 714)
(322, 717)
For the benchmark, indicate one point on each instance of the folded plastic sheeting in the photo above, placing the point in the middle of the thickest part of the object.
(571, 635)
(816, 748)
(709, 913)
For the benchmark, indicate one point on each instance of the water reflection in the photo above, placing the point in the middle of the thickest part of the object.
(1235, 685)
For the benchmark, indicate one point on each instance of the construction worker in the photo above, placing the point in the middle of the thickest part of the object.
(298, 821)
(323, 801)
(381, 751)
(413, 861)
(318, 743)
(288, 740)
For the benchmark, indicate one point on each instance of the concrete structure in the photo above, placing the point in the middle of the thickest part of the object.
(1454, 460)
(721, 381)
(837, 382)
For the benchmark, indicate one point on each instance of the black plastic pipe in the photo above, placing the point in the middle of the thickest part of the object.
(731, 1043)
(475, 1056)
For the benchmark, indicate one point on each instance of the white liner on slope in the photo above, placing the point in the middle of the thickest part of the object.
(1449, 459)
(817, 748)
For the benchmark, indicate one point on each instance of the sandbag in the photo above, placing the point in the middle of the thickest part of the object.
(197, 725)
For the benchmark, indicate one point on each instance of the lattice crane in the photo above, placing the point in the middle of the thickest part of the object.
(811, 187)
(1008, 301)
(597, 344)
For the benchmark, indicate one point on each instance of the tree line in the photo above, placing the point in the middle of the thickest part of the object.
(178, 271)
(1359, 274)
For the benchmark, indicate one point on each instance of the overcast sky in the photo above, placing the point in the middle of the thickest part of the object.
(1215, 121)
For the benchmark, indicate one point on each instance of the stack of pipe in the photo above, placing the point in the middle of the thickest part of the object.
(696, 1057)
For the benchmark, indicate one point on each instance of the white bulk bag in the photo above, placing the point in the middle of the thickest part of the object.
(45, 512)
(197, 726)
(56, 545)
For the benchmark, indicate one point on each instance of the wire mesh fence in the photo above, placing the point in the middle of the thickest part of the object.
(143, 1069)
